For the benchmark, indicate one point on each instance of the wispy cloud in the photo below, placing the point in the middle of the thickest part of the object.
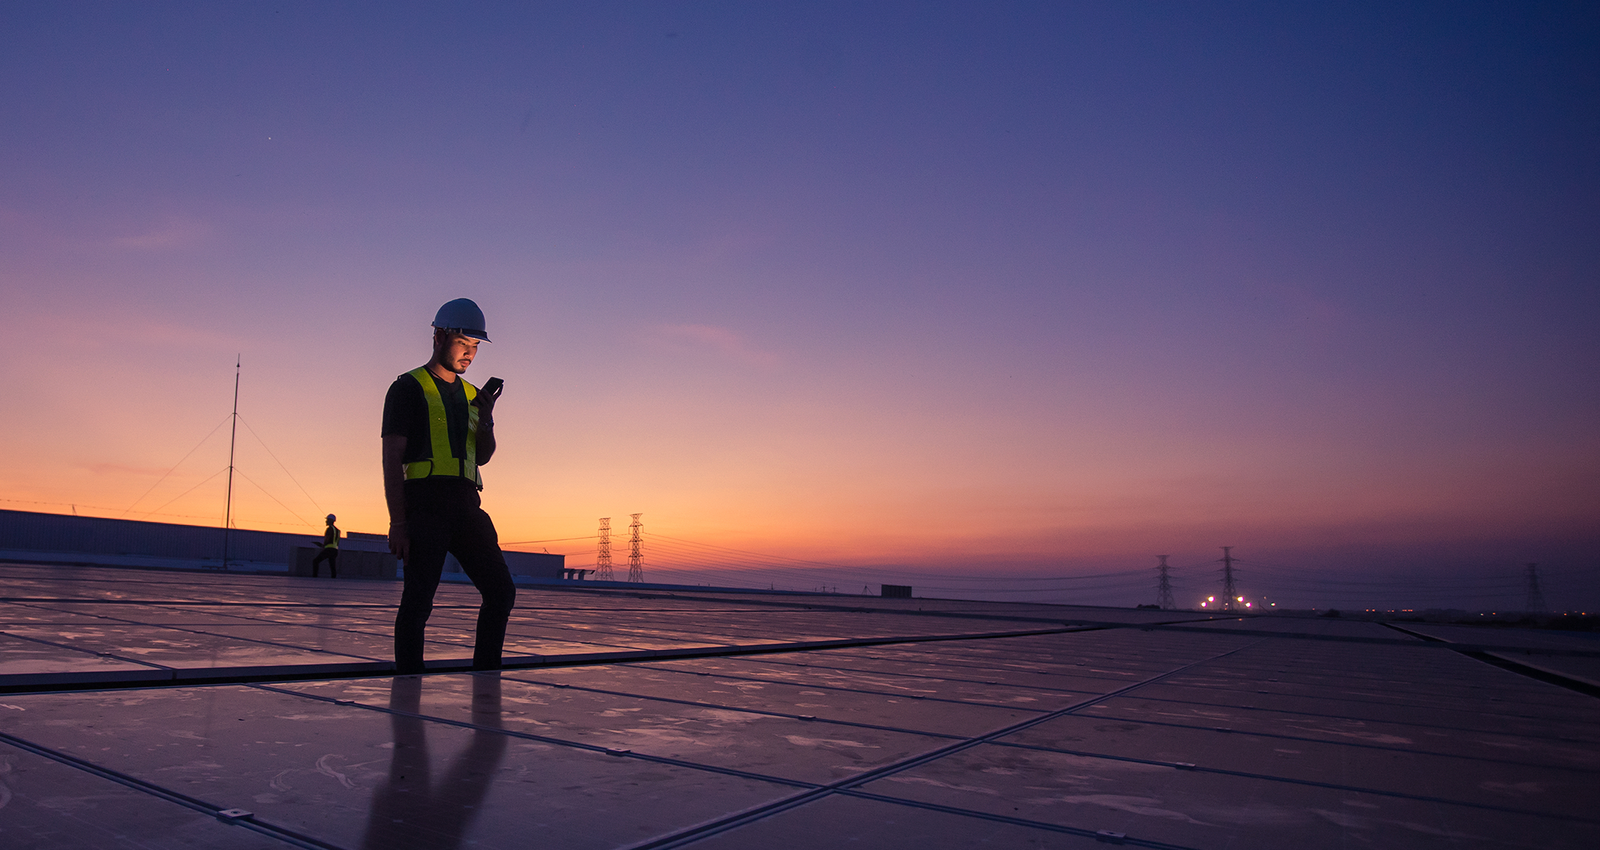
(168, 234)
(122, 469)
(114, 332)
(718, 340)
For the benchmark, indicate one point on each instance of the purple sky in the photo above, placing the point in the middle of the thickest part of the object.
(997, 289)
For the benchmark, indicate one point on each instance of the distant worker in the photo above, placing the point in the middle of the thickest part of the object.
(330, 550)
(437, 430)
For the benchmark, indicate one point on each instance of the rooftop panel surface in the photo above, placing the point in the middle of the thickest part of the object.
(166, 709)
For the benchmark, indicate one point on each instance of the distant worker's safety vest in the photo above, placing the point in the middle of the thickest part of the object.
(443, 462)
(330, 538)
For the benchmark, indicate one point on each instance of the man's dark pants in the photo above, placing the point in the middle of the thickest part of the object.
(441, 517)
(329, 554)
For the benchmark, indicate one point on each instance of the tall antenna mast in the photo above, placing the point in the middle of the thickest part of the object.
(233, 434)
(602, 561)
(1164, 589)
(1228, 593)
(635, 557)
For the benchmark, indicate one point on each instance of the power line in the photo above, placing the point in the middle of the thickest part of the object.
(690, 545)
(745, 552)
(679, 560)
(549, 540)
(689, 561)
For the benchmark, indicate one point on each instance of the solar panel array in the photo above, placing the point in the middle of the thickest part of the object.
(170, 709)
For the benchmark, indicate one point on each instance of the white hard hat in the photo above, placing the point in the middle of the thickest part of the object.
(462, 316)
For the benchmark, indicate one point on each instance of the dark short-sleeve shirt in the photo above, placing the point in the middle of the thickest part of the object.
(405, 413)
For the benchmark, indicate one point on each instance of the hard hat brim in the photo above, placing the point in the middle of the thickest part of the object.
(482, 336)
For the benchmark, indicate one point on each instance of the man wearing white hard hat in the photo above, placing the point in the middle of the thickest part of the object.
(437, 430)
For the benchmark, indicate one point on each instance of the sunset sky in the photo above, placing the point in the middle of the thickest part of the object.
(991, 289)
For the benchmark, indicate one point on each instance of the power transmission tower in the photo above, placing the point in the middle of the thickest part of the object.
(635, 559)
(1535, 595)
(602, 560)
(1164, 589)
(1229, 595)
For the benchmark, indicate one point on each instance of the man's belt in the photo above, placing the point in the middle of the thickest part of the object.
(447, 468)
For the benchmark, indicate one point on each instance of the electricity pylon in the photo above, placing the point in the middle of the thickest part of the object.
(1229, 595)
(1164, 589)
(635, 558)
(602, 560)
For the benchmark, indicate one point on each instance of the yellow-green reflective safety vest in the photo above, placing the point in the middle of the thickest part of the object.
(330, 538)
(443, 462)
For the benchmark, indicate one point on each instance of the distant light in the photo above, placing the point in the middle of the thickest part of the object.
(1248, 604)
(1238, 599)
(1202, 605)
(1211, 598)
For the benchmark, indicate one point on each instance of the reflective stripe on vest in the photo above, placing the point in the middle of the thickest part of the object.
(443, 462)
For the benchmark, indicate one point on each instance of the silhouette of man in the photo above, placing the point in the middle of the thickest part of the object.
(330, 550)
(437, 430)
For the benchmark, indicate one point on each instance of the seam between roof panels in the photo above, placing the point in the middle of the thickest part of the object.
(714, 706)
(247, 821)
(839, 689)
(544, 739)
(1098, 835)
(127, 622)
(758, 813)
(1294, 781)
(1488, 656)
(151, 664)
(1324, 716)
(1357, 744)
(192, 677)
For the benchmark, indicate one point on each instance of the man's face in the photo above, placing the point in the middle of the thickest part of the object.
(456, 352)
